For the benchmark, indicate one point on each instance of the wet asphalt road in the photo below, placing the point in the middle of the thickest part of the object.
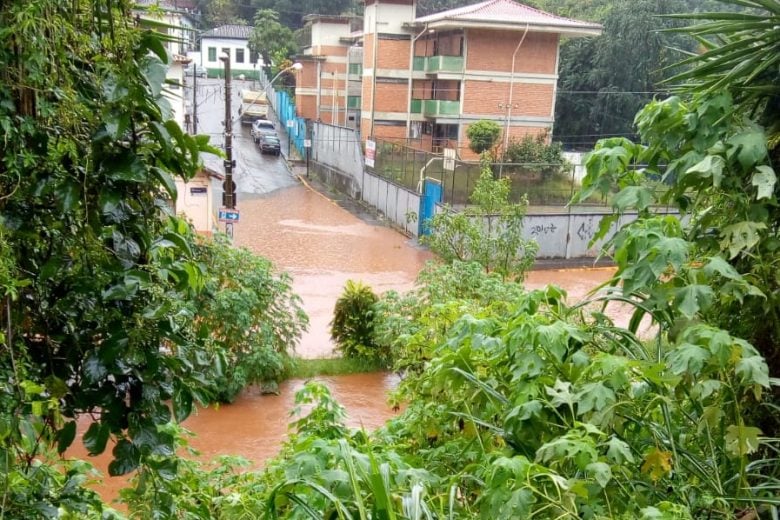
(255, 174)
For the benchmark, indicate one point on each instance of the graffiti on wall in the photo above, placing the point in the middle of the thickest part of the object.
(543, 229)
(585, 231)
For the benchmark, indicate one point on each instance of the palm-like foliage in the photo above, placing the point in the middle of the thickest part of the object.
(742, 55)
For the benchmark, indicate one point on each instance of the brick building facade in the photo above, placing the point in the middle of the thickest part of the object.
(436, 75)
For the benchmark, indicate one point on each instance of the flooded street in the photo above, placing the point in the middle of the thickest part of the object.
(322, 246)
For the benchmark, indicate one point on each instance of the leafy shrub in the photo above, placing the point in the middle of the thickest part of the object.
(410, 325)
(536, 155)
(250, 314)
(352, 327)
(483, 135)
(489, 232)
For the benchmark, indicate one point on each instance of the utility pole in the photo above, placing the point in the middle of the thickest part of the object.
(194, 99)
(229, 193)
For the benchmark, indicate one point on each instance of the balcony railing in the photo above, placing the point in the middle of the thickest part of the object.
(435, 64)
(440, 108)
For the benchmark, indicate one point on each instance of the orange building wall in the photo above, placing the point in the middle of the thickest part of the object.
(368, 51)
(365, 128)
(492, 50)
(483, 97)
(421, 89)
(391, 97)
(394, 133)
(365, 103)
(392, 54)
(306, 106)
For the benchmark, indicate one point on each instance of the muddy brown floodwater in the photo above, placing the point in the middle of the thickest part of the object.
(322, 246)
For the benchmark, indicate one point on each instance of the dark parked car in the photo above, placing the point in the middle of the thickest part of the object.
(270, 144)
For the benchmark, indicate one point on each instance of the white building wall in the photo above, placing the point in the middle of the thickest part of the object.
(226, 43)
(388, 18)
(194, 201)
(328, 33)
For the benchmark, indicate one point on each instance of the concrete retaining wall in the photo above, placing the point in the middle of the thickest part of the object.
(339, 149)
(395, 202)
(568, 235)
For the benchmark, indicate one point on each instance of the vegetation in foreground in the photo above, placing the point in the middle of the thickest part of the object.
(519, 405)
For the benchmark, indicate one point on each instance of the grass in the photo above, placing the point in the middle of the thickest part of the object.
(307, 368)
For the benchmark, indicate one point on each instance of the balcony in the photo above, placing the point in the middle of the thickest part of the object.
(437, 64)
(439, 108)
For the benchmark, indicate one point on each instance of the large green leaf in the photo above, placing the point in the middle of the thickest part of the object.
(96, 437)
(693, 298)
(741, 237)
(764, 179)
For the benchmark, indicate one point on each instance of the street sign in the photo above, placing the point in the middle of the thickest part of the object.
(290, 123)
(228, 215)
(307, 143)
(449, 159)
(370, 153)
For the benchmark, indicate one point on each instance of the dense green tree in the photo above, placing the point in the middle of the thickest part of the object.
(271, 39)
(483, 135)
(97, 319)
(291, 12)
(223, 12)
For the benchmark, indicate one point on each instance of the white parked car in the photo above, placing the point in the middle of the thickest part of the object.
(261, 127)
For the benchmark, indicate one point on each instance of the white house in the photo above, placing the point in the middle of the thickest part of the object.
(232, 40)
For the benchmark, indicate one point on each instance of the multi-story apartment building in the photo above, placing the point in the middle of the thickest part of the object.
(328, 86)
(426, 79)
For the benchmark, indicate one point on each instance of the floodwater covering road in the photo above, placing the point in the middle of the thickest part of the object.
(322, 246)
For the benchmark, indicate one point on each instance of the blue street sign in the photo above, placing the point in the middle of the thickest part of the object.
(228, 215)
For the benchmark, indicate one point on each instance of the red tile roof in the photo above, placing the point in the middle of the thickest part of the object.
(507, 12)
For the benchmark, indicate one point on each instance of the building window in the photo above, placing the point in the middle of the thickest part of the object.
(239, 55)
(212, 54)
(226, 50)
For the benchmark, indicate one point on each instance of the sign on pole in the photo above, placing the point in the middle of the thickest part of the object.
(228, 215)
(370, 153)
(290, 123)
(307, 143)
(449, 159)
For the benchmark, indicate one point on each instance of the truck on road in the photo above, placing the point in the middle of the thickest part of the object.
(254, 106)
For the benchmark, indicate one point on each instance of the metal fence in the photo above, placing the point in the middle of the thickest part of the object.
(284, 106)
(543, 184)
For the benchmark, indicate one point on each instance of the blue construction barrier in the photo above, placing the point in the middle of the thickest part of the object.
(285, 109)
(431, 197)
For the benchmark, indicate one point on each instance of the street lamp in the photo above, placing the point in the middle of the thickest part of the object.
(294, 66)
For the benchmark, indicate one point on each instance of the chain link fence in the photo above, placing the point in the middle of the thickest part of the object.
(543, 184)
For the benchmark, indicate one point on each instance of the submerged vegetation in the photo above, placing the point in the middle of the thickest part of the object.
(518, 404)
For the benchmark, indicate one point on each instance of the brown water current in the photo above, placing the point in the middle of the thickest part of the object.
(322, 246)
